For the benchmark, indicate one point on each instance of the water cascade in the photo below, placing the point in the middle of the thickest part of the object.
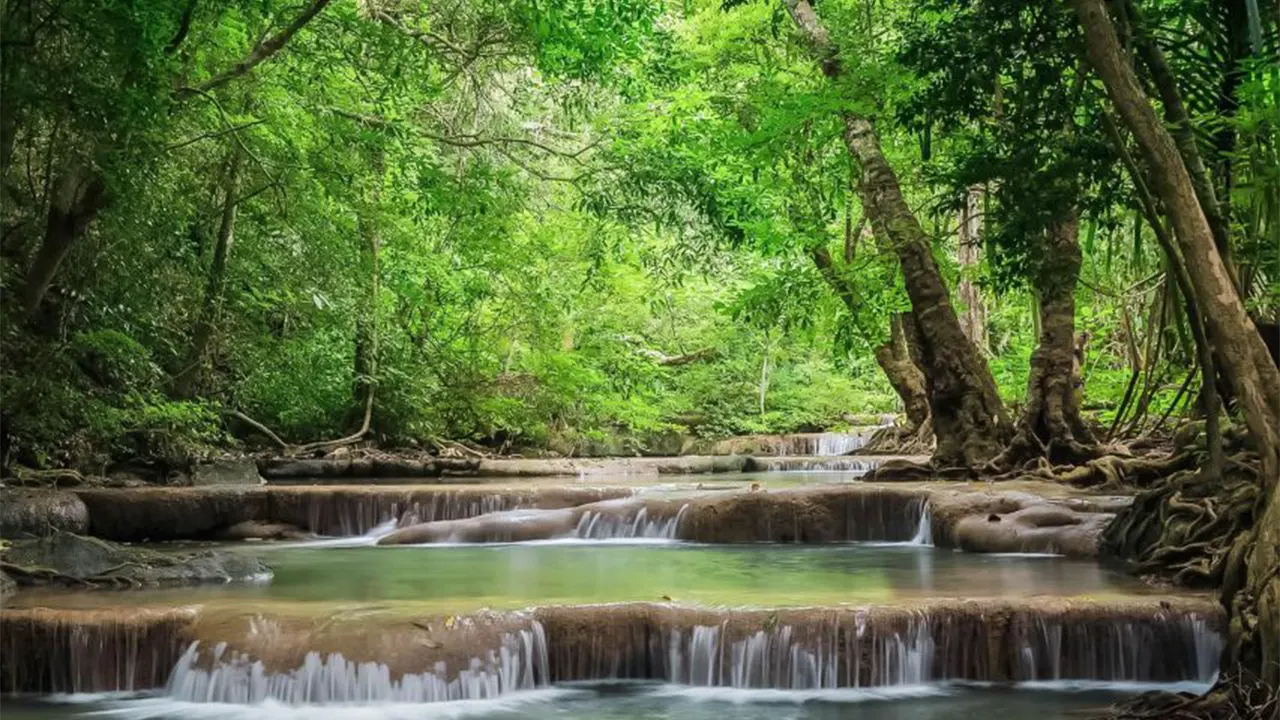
(924, 529)
(604, 526)
(519, 664)
(813, 463)
(874, 647)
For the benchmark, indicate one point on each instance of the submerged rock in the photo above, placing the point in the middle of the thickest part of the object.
(69, 559)
(36, 513)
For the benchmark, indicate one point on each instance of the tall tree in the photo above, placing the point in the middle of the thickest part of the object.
(969, 420)
(1254, 598)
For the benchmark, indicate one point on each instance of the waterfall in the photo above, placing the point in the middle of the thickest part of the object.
(924, 530)
(812, 463)
(519, 664)
(874, 648)
(605, 526)
(828, 444)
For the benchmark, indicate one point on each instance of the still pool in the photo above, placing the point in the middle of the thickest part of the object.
(510, 576)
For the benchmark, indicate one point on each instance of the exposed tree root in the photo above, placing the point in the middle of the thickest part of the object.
(894, 440)
(1234, 697)
(1185, 524)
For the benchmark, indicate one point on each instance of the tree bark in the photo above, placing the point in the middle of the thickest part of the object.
(1244, 359)
(1050, 425)
(78, 195)
(895, 356)
(1175, 114)
(968, 257)
(895, 359)
(969, 420)
(184, 382)
(1243, 356)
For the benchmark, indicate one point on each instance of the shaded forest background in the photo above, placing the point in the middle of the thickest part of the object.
(574, 224)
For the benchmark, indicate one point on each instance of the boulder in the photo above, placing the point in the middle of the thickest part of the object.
(35, 513)
(226, 472)
(67, 558)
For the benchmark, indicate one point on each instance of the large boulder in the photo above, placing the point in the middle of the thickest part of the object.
(67, 558)
(226, 472)
(35, 513)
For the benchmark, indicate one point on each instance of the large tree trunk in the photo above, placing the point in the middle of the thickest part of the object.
(968, 257)
(78, 195)
(1050, 425)
(1242, 356)
(184, 382)
(969, 420)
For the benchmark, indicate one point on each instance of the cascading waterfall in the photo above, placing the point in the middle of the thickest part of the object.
(924, 530)
(873, 651)
(519, 664)
(604, 526)
(814, 464)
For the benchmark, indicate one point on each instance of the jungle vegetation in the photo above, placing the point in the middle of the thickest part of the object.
(1040, 231)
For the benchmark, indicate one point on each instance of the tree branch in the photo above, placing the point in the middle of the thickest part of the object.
(260, 53)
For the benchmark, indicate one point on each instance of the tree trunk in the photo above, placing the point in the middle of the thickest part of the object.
(895, 359)
(78, 195)
(1242, 356)
(184, 382)
(968, 257)
(1050, 425)
(968, 418)
(895, 356)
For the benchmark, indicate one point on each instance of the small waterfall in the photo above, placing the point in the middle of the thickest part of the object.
(812, 463)
(924, 530)
(519, 664)
(595, 525)
(874, 648)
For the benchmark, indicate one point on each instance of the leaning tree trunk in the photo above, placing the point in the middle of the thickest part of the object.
(1050, 425)
(184, 382)
(895, 356)
(969, 420)
(78, 195)
(896, 360)
(1254, 604)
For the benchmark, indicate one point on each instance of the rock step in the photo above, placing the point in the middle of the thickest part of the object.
(1136, 639)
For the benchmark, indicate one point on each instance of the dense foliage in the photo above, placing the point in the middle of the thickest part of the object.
(557, 223)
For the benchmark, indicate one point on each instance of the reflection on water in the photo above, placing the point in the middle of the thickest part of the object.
(458, 578)
(634, 701)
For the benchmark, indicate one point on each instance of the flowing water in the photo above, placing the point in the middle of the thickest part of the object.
(610, 616)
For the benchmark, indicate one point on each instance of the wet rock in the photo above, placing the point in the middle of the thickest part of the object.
(1042, 528)
(226, 472)
(34, 513)
(259, 530)
(70, 559)
(170, 513)
(8, 586)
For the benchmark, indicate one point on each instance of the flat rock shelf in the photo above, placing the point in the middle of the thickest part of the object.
(805, 594)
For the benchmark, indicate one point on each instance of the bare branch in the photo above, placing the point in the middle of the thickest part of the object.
(260, 53)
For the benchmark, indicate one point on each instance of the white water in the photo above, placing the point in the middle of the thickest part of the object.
(814, 463)
(924, 530)
(519, 664)
(604, 526)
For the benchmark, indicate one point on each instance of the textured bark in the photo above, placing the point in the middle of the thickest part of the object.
(78, 195)
(968, 257)
(895, 359)
(968, 418)
(1242, 355)
(895, 356)
(184, 382)
(1050, 425)
(1175, 114)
